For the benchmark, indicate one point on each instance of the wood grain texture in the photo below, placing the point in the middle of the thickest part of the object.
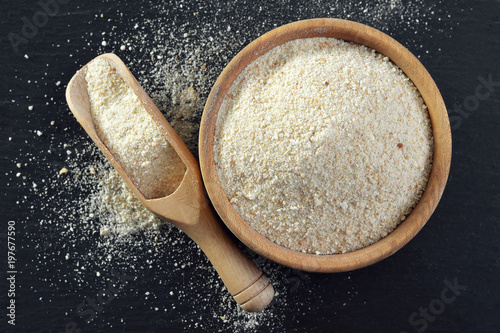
(188, 207)
(348, 31)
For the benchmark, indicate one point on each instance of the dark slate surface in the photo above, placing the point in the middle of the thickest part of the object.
(459, 245)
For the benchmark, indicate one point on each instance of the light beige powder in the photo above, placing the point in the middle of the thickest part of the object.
(131, 134)
(123, 213)
(323, 146)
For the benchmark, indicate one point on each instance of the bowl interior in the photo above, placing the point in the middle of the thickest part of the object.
(361, 34)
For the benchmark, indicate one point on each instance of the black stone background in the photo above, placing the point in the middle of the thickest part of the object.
(460, 241)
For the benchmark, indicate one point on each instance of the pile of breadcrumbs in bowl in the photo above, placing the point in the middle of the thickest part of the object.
(323, 146)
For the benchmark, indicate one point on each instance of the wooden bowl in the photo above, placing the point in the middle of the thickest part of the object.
(353, 32)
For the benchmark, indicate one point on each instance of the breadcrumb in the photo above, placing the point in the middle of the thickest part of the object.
(323, 146)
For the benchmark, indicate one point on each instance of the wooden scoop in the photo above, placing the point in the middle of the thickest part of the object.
(188, 207)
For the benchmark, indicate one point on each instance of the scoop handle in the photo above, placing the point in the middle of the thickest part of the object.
(244, 280)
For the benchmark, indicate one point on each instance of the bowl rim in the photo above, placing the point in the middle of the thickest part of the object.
(410, 65)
